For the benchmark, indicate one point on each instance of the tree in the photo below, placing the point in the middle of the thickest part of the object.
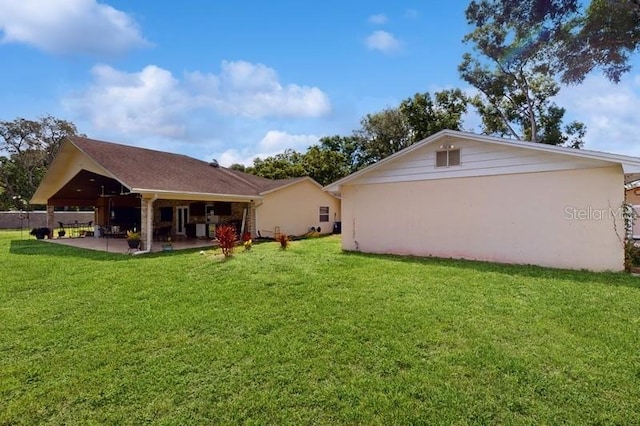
(324, 165)
(280, 166)
(237, 166)
(350, 148)
(426, 116)
(383, 134)
(28, 147)
(604, 36)
(512, 72)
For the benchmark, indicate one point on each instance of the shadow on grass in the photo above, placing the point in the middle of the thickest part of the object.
(39, 248)
(530, 271)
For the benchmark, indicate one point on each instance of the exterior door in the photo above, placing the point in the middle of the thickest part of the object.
(182, 217)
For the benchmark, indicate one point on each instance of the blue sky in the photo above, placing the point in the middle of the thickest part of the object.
(236, 80)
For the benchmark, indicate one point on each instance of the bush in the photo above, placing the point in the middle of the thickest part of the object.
(631, 255)
(226, 236)
(40, 233)
(283, 240)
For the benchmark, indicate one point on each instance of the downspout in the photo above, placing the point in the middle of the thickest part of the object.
(149, 226)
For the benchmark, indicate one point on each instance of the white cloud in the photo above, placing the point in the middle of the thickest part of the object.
(379, 19)
(383, 41)
(154, 102)
(69, 26)
(610, 112)
(253, 90)
(274, 142)
(147, 102)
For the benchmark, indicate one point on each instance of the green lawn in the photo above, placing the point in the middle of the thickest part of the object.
(310, 335)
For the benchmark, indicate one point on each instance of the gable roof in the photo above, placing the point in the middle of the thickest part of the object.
(144, 170)
(630, 165)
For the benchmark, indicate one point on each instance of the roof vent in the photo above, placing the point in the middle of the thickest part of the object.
(214, 163)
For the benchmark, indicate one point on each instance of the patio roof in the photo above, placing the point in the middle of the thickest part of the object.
(86, 169)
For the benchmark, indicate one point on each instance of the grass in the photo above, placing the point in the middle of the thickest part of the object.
(310, 335)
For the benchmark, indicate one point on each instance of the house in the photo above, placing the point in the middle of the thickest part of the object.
(462, 195)
(632, 198)
(171, 194)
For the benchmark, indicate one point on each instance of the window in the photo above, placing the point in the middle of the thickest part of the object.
(450, 157)
(166, 214)
(324, 214)
(222, 209)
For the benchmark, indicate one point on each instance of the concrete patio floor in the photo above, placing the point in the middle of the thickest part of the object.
(119, 245)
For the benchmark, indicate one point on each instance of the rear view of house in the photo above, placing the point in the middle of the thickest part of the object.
(468, 196)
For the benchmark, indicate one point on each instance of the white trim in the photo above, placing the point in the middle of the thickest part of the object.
(629, 164)
(200, 196)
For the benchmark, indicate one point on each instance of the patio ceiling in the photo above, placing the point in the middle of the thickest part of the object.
(85, 188)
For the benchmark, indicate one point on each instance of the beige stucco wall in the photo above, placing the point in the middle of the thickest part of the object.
(561, 219)
(295, 209)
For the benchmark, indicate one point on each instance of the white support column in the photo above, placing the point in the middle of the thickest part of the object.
(147, 222)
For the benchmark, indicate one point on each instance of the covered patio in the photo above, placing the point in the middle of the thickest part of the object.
(160, 195)
(163, 195)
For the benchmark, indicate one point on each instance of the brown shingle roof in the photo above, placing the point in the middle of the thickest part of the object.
(264, 184)
(146, 169)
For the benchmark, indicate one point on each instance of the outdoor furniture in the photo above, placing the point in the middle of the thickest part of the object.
(114, 232)
(77, 229)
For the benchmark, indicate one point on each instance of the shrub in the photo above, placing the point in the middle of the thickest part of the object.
(226, 236)
(631, 255)
(40, 233)
(283, 240)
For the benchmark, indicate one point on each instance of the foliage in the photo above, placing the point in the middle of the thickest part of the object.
(603, 35)
(324, 166)
(133, 235)
(512, 73)
(283, 239)
(280, 166)
(631, 255)
(575, 39)
(349, 146)
(310, 336)
(246, 241)
(427, 116)
(383, 134)
(238, 167)
(27, 147)
(380, 135)
(227, 238)
(387, 132)
(40, 233)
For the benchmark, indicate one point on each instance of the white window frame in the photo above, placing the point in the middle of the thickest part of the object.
(448, 161)
(323, 214)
